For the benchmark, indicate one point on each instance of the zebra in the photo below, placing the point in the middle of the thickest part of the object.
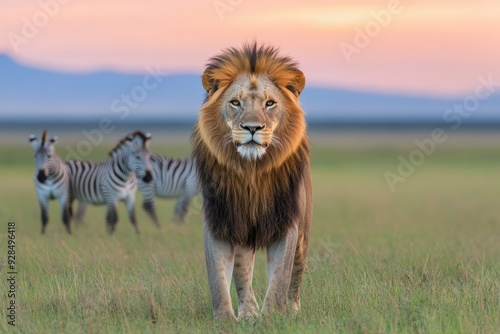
(114, 179)
(171, 178)
(51, 179)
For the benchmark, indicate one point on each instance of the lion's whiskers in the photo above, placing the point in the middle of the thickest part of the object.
(275, 140)
(227, 139)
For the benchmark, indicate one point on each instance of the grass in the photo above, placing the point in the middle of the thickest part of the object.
(423, 259)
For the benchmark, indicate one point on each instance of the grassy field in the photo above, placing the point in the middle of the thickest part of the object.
(422, 259)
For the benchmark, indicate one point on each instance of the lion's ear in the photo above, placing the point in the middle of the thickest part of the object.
(209, 83)
(297, 84)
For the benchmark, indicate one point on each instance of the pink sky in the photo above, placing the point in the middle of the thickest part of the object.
(430, 47)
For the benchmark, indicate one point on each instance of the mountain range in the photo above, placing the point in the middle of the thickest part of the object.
(32, 93)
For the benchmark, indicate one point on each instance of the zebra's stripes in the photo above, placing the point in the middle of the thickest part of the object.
(171, 178)
(114, 179)
(51, 179)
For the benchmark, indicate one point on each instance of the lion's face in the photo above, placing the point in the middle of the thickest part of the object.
(252, 109)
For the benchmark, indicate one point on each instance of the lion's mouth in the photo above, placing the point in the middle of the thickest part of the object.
(251, 143)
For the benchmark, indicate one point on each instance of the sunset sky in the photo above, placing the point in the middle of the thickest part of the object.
(424, 47)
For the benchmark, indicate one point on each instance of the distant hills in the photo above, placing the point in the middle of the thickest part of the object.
(30, 93)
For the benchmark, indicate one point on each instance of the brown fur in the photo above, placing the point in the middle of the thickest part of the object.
(251, 202)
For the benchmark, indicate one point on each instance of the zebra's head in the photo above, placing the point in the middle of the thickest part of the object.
(135, 149)
(45, 155)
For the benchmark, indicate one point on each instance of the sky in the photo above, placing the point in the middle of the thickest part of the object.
(435, 48)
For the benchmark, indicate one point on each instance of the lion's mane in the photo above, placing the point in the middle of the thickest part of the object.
(251, 202)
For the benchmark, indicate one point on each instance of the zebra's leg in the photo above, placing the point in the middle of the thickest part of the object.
(66, 212)
(80, 212)
(181, 208)
(149, 206)
(148, 203)
(191, 189)
(130, 203)
(44, 214)
(111, 217)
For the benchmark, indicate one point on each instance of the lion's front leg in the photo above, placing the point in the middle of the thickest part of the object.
(299, 266)
(243, 273)
(219, 256)
(280, 255)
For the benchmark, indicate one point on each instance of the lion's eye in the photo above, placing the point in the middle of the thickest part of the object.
(270, 103)
(235, 103)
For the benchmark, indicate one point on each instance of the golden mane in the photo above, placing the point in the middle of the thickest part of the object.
(254, 61)
(251, 203)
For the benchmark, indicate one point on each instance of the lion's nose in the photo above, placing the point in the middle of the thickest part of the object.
(252, 128)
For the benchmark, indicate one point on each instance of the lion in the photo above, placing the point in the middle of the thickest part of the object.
(252, 156)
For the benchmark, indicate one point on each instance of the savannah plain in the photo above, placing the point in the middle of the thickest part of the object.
(422, 259)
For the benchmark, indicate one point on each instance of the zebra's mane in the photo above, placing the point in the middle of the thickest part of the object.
(144, 137)
(44, 137)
